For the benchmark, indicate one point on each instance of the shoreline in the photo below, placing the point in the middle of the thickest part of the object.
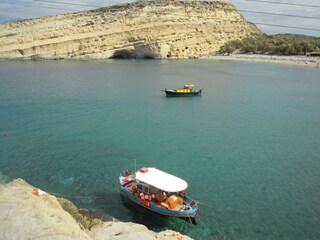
(298, 60)
(36, 214)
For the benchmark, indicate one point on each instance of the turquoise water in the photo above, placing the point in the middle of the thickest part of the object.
(248, 147)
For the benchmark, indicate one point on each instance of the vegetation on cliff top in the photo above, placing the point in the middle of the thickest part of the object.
(272, 44)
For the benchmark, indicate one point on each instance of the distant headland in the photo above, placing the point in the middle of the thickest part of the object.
(159, 29)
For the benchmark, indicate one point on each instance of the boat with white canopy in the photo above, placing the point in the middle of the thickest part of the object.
(159, 191)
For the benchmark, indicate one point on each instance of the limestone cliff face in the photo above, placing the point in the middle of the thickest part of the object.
(24, 215)
(144, 29)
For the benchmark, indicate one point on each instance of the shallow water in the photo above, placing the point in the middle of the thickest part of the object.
(248, 147)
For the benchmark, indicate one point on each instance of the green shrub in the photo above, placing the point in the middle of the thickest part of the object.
(272, 44)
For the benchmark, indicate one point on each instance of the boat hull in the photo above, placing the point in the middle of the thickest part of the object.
(174, 93)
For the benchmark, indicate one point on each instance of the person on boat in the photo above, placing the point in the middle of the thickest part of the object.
(127, 173)
(159, 196)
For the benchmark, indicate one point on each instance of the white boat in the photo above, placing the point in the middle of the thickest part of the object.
(159, 191)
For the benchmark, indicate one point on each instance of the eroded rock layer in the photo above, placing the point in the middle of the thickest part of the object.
(144, 29)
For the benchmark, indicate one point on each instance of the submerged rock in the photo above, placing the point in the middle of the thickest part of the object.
(86, 218)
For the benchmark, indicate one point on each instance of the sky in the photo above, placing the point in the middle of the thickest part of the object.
(271, 16)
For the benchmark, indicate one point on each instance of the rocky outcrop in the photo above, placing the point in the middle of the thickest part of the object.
(144, 29)
(24, 215)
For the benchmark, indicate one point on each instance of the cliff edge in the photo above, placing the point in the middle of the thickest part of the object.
(24, 215)
(144, 29)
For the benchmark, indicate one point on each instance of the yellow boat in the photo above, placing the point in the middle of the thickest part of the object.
(187, 90)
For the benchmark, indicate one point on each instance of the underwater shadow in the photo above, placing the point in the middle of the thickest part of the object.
(120, 207)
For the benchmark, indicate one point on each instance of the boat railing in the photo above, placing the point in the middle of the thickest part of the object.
(191, 204)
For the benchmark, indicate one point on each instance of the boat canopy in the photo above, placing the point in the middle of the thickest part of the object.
(161, 180)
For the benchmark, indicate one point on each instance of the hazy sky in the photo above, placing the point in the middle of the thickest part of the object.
(300, 15)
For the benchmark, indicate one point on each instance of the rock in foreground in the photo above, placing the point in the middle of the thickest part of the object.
(24, 215)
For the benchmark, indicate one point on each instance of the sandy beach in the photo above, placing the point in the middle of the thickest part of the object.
(304, 61)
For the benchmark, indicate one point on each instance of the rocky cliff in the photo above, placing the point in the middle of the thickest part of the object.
(143, 29)
(24, 215)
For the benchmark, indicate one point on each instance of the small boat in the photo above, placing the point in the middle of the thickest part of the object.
(159, 192)
(187, 90)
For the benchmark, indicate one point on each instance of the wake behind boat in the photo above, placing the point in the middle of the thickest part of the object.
(187, 90)
(158, 191)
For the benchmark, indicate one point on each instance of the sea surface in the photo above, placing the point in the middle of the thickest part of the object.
(249, 147)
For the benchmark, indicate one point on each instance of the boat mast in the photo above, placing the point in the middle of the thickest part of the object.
(135, 165)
